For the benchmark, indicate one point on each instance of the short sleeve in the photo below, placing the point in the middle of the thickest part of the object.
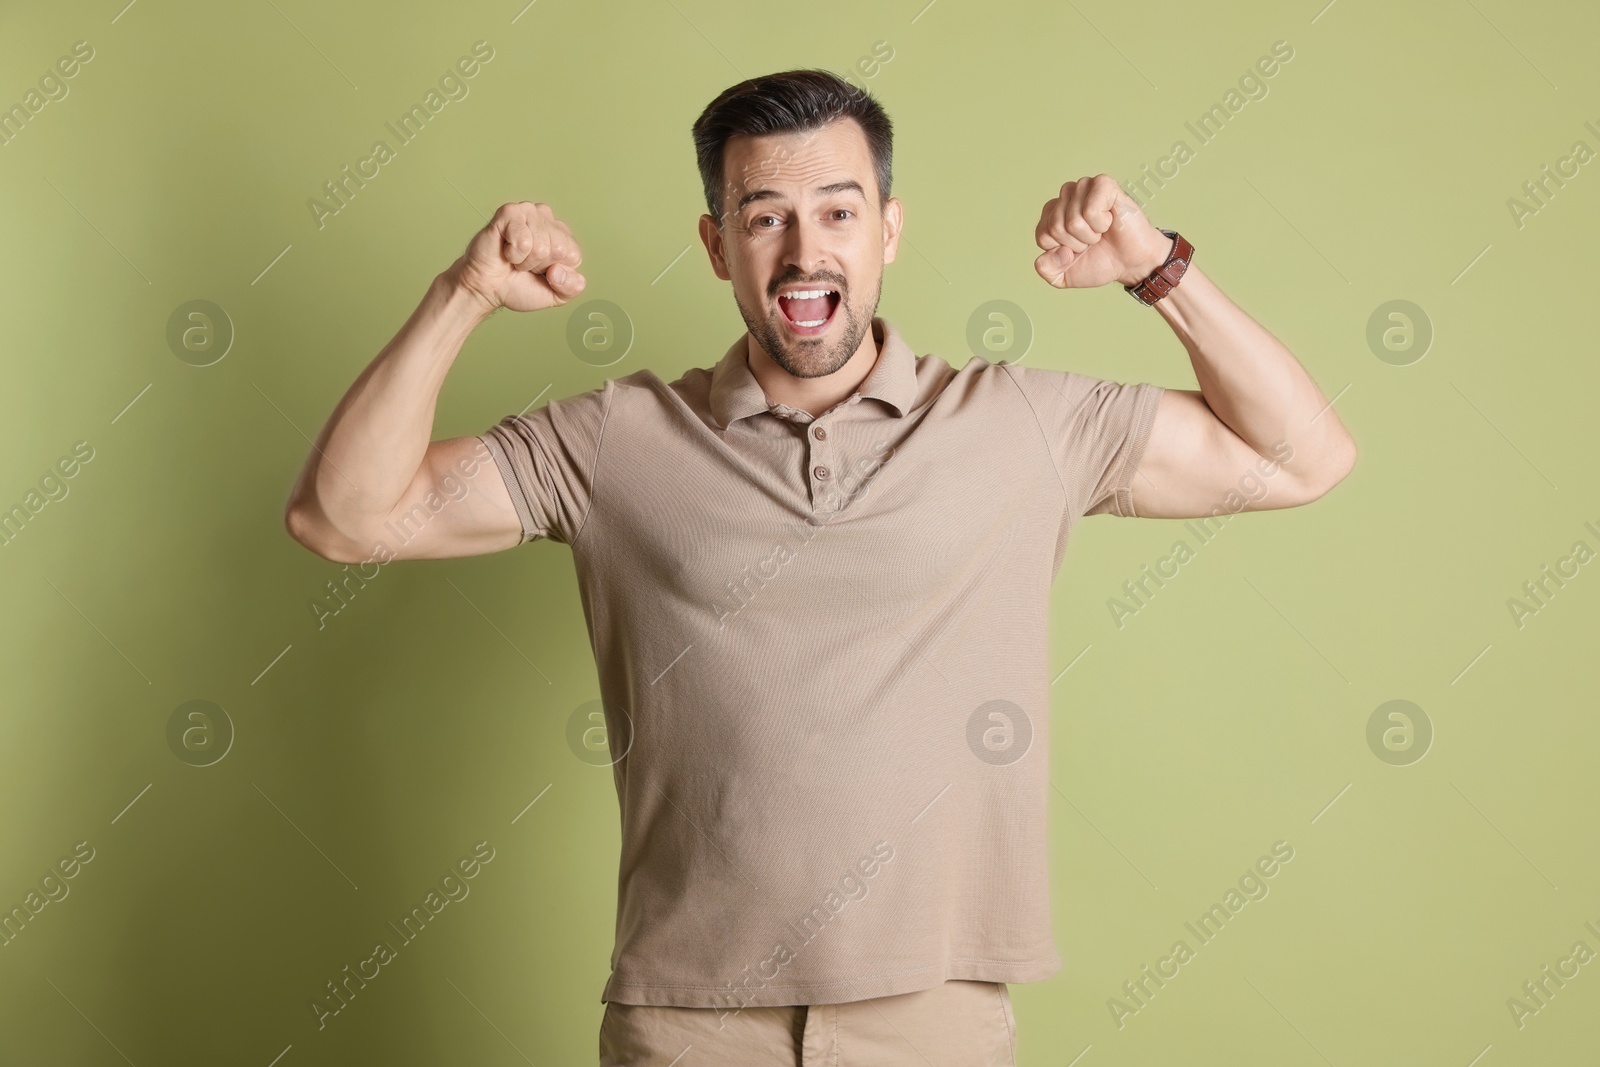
(548, 458)
(1096, 430)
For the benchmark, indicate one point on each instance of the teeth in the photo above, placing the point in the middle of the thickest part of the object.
(808, 294)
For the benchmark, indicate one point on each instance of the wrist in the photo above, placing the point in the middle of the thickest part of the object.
(1160, 247)
(462, 295)
(1165, 278)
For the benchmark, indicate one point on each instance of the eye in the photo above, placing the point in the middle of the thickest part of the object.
(841, 211)
(762, 219)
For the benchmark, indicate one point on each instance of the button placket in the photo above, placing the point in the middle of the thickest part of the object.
(824, 478)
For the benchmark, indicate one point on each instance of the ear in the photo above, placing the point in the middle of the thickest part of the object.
(893, 219)
(712, 238)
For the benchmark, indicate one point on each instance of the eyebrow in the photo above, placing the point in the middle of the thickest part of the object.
(823, 190)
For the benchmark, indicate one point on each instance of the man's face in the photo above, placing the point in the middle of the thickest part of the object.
(801, 214)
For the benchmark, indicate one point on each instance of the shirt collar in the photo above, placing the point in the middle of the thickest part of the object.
(735, 393)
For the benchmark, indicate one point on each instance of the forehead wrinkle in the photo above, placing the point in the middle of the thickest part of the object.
(806, 171)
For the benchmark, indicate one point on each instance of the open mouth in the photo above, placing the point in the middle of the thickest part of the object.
(809, 311)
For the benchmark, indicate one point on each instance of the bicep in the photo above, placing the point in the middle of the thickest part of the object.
(456, 505)
(1194, 465)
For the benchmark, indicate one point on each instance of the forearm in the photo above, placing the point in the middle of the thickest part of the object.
(373, 444)
(1253, 383)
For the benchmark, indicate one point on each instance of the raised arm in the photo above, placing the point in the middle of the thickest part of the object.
(1257, 418)
(373, 468)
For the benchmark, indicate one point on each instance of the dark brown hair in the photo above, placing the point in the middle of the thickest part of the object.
(790, 101)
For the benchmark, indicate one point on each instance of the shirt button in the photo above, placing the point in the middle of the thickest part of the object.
(821, 472)
(820, 433)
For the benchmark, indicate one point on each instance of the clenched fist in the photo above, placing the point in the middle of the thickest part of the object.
(525, 259)
(1093, 233)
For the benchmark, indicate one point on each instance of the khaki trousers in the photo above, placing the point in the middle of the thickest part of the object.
(956, 1024)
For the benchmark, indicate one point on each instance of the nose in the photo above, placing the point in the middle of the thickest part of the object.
(806, 249)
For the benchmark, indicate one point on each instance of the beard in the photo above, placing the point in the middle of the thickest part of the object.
(813, 357)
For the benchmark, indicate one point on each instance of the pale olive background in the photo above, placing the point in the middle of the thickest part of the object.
(1230, 713)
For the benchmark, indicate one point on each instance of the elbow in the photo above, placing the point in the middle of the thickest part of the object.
(302, 529)
(1346, 463)
(317, 536)
(1337, 469)
(298, 526)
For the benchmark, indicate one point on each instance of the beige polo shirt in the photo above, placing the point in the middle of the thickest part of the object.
(821, 648)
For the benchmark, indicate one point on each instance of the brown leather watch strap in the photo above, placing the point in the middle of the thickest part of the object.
(1164, 278)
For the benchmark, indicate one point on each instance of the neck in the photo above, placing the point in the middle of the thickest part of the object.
(813, 395)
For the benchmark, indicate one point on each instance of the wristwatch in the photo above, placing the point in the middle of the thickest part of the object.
(1164, 278)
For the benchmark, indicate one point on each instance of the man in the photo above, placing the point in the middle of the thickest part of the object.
(816, 581)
